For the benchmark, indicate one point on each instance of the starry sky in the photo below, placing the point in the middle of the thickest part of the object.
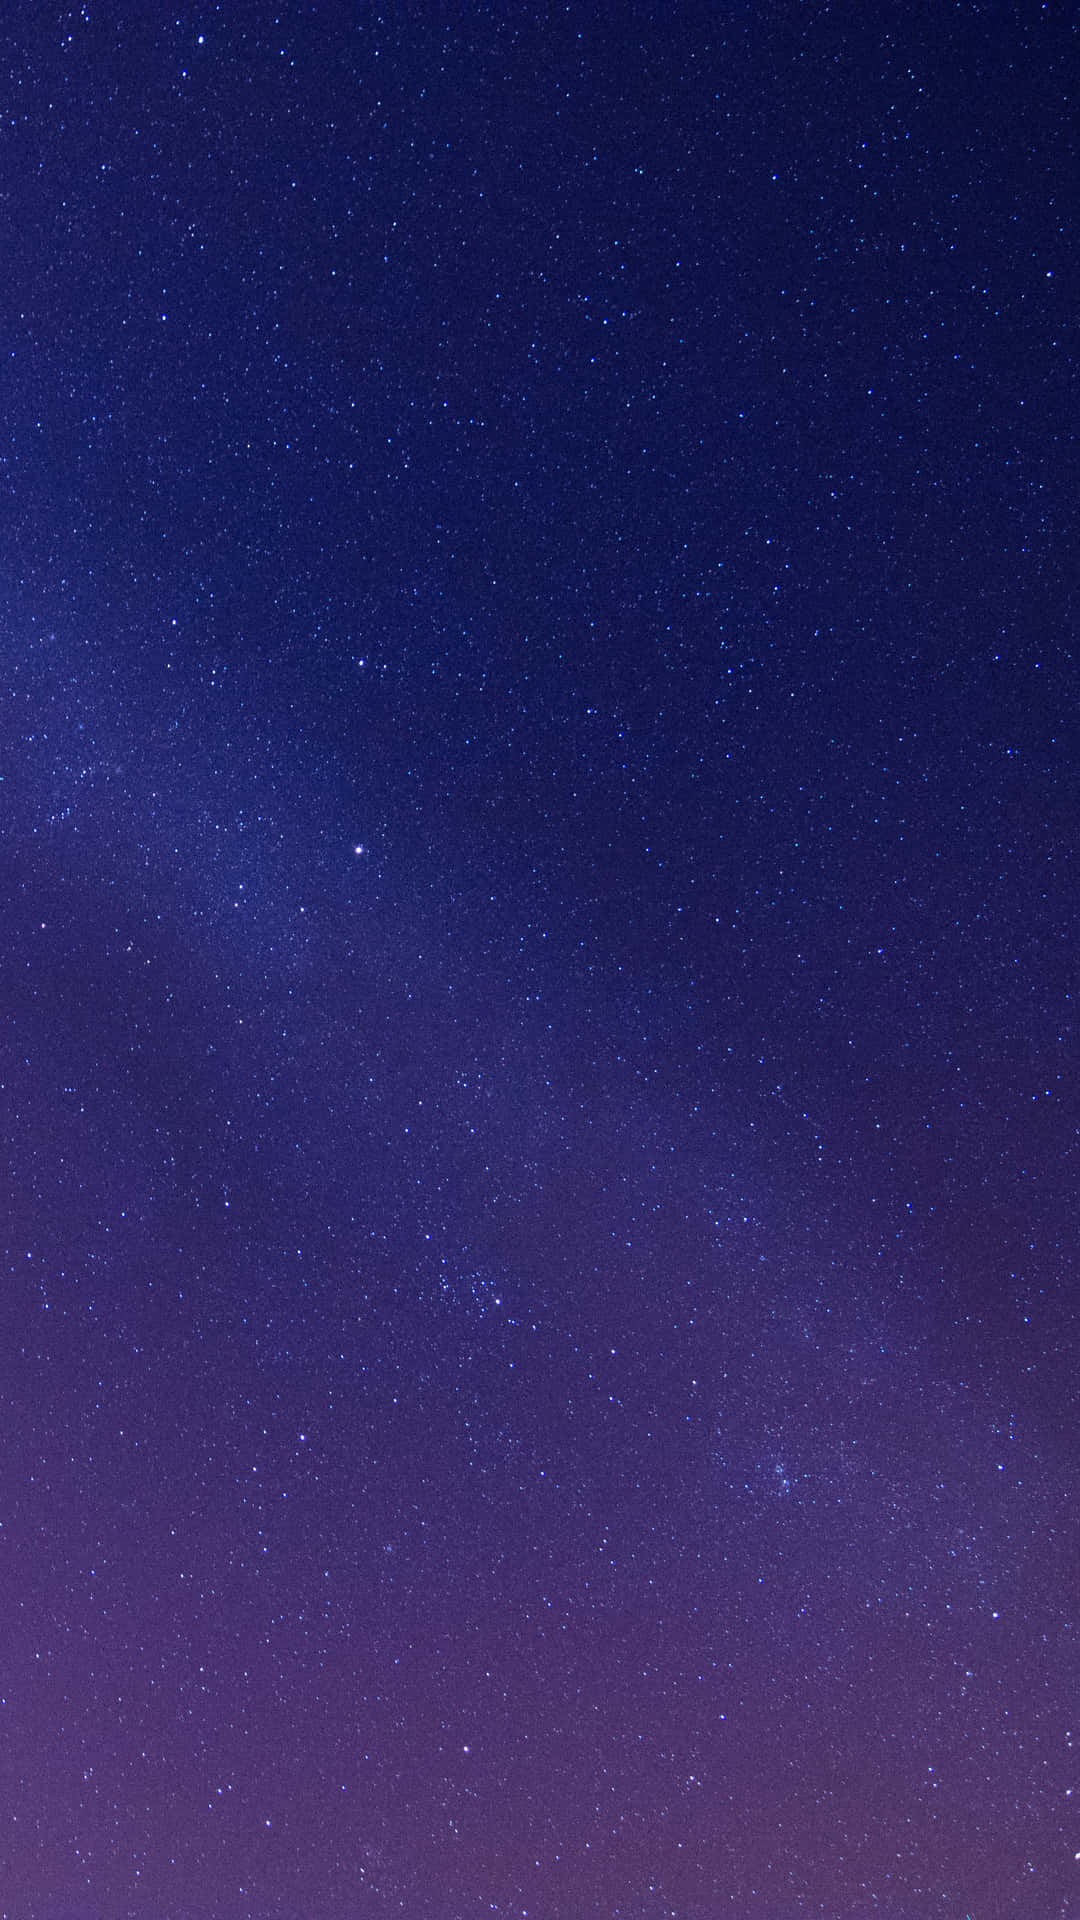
(540, 795)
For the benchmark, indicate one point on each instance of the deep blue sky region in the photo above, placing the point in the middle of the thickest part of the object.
(539, 807)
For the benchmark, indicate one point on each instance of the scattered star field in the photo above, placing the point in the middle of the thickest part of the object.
(540, 796)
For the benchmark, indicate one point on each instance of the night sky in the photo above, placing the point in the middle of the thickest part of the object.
(540, 752)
